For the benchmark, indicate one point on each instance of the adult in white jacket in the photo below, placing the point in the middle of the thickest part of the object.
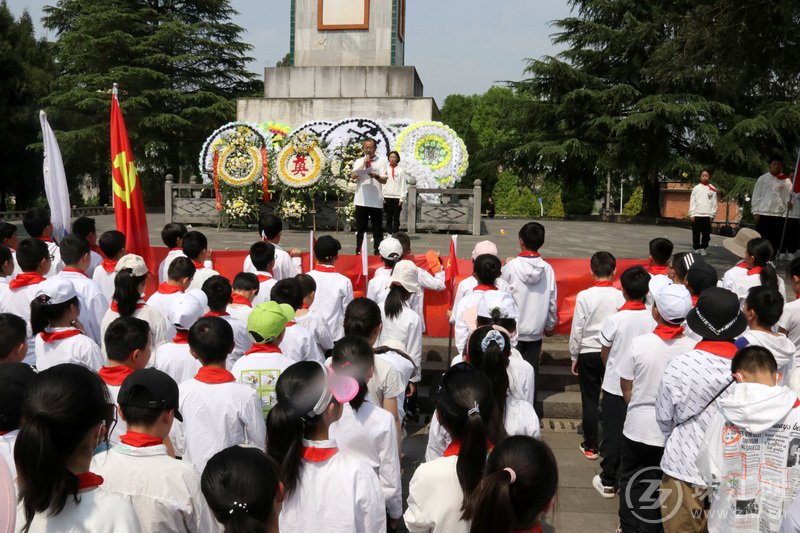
(771, 197)
(702, 210)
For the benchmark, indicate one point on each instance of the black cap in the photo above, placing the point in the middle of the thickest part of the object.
(326, 248)
(15, 378)
(161, 387)
(717, 315)
(701, 276)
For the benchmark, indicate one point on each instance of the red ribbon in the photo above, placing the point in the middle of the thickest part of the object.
(24, 279)
(666, 332)
(325, 268)
(59, 335)
(485, 288)
(657, 270)
(217, 313)
(318, 455)
(263, 277)
(753, 271)
(632, 306)
(166, 288)
(214, 375)
(198, 265)
(115, 375)
(742, 264)
(216, 181)
(239, 299)
(140, 440)
(89, 480)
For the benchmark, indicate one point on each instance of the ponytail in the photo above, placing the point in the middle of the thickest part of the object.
(397, 296)
(769, 277)
(761, 251)
(492, 362)
(490, 508)
(472, 456)
(43, 313)
(126, 291)
(353, 356)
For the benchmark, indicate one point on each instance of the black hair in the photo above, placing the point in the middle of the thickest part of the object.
(43, 313)
(660, 250)
(181, 267)
(240, 485)
(111, 243)
(353, 356)
(298, 389)
(532, 236)
(219, 291)
(307, 283)
(287, 291)
(776, 157)
(761, 250)
(635, 282)
(486, 269)
(398, 295)
(7, 231)
(270, 226)
(124, 335)
(395, 152)
(35, 221)
(461, 391)
(502, 505)
(194, 243)
(5, 256)
(73, 247)
(31, 253)
(245, 281)
(211, 339)
(84, 226)
(366, 140)
(262, 254)
(134, 413)
(405, 241)
(766, 303)
(172, 232)
(682, 262)
(15, 379)
(493, 364)
(603, 264)
(63, 404)
(361, 317)
(754, 359)
(13, 332)
(127, 291)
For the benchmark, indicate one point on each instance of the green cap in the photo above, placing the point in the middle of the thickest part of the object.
(268, 320)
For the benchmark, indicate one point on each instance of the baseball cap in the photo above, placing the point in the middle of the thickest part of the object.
(57, 290)
(737, 244)
(161, 388)
(339, 386)
(484, 247)
(717, 315)
(268, 320)
(405, 274)
(187, 309)
(326, 248)
(673, 302)
(133, 262)
(15, 378)
(500, 300)
(701, 276)
(658, 282)
(390, 248)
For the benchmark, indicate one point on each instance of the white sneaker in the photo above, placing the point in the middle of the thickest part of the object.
(703, 252)
(605, 492)
(697, 251)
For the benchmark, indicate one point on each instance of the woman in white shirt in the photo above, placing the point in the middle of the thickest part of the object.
(394, 192)
(66, 414)
(760, 270)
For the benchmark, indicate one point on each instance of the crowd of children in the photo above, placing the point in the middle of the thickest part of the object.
(275, 401)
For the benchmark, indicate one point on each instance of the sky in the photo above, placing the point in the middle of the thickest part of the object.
(457, 46)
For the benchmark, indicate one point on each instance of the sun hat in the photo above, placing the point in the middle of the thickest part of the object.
(717, 315)
(56, 290)
(187, 309)
(500, 300)
(268, 320)
(405, 274)
(484, 247)
(737, 244)
(673, 302)
(390, 248)
(133, 262)
(162, 389)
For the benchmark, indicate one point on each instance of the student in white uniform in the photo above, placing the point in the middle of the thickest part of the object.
(334, 291)
(66, 414)
(128, 349)
(298, 342)
(366, 428)
(55, 325)
(36, 222)
(219, 292)
(287, 264)
(400, 322)
(8, 238)
(244, 290)
(763, 308)
(112, 244)
(179, 277)
(217, 411)
(164, 491)
(323, 484)
(310, 319)
(430, 279)
(702, 210)
(487, 269)
(466, 285)
(441, 488)
(391, 251)
(175, 357)
(760, 270)
(262, 256)
(737, 245)
(172, 236)
(195, 247)
(243, 489)
(15, 378)
(86, 227)
(13, 338)
(518, 487)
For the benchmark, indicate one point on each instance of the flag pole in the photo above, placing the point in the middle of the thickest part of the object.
(786, 214)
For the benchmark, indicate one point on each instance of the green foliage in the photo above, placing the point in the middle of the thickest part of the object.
(634, 205)
(286, 61)
(512, 200)
(550, 192)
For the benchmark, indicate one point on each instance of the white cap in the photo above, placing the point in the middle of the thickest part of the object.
(57, 290)
(390, 248)
(134, 262)
(657, 283)
(484, 247)
(499, 300)
(187, 309)
(405, 274)
(673, 302)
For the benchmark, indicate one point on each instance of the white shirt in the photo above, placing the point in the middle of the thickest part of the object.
(98, 511)
(406, 369)
(93, 304)
(95, 260)
(241, 340)
(790, 321)
(240, 311)
(200, 277)
(378, 288)
(7, 443)
(265, 284)
(162, 301)
(157, 322)
(164, 491)
(285, 265)
(79, 349)
(407, 329)
(337, 495)
(334, 292)
(260, 371)
(56, 264)
(298, 346)
(121, 427)
(521, 378)
(368, 190)
(532, 282)
(466, 285)
(645, 367)
(320, 333)
(105, 280)
(703, 202)
(592, 307)
(4, 290)
(770, 196)
(395, 186)
(732, 274)
(435, 498)
(18, 302)
(743, 284)
(779, 345)
(176, 361)
(386, 382)
(618, 332)
(163, 268)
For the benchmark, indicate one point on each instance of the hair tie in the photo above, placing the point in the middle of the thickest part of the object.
(474, 410)
(493, 336)
(238, 506)
(511, 474)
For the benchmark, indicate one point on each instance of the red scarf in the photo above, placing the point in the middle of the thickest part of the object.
(632, 306)
(217, 313)
(753, 271)
(781, 176)
(666, 332)
(181, 337)
(485, 288)
(115, 375)
(89, 480)
(77, 271)
(197, 265)
(24, 279)
(391, 167)
(263, 277)
(239, 299)
(306, 306)
(115, 307)
(166, 288)
(603, 283)
(726, 349)
(709, 186)
(742, 264)
(45, 239)
(140, 440)
(528, 253)
(318, 455)
(657, 269)
(290, 324)
(695, 297)
(263, 348)
(455, 448)
(214, 375)
(59, 335)
(534, 529)
(109, 265)
(325, 268)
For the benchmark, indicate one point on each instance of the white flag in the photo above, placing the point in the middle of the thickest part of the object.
(55, 181)
(312, 240)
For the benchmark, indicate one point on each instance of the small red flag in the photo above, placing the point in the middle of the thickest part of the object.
(451, 269)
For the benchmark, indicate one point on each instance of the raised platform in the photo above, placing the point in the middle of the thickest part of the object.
(342, 82)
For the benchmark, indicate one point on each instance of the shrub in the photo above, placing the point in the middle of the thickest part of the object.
(634, 205)
(512, 200)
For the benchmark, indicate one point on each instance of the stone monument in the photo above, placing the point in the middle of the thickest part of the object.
(347, 60)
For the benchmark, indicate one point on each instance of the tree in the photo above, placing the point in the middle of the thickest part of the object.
(285, 61)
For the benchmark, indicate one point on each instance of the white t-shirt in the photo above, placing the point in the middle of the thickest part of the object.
(175, 360)
(79, 349)
(18, 302)
(435, 498)
(770, 196)
(386, 382)
(592, 307)
(368, 190)
(285, 265)
(105, 280)
(156, 321)
(97, 511)
(334, 292)
(618, 332)
(93, 304)
(200, 277)
(298, 345)
(265, 284)
(743, 284)
(7, 442)
(790, 321)
(778, 344)
(320, 333)
(703, 202)
(405, 328)
(521, 381)
(395, 186)
(732, 274)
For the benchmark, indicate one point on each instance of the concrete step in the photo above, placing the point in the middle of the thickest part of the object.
(566, 404)
(557, 378)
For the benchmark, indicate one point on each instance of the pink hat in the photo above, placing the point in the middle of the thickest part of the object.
(484, 247)
(343, 388)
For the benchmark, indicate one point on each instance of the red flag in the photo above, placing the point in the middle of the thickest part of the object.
(128, 200)
(451, 269)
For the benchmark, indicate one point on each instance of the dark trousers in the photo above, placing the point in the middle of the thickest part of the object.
(639, 484)
(363, 216)
(613, 412)
(530, 351)
(771, 228)
(392, 208)
(792, 240)
(590, 377)
(701, 232)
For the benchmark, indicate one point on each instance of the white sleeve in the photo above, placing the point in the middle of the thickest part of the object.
(552, 314)
(438, 440)
(460, 291)
(403, 186)
(576, 332)
(389, 471)
(97, 309)
(200, 519)
(369, 507)
(461, 332)
(253, 419)
(758, 199)
(665, 407)
(625, 367)
(95, 357)
(323, 333)
(608, 331)
(348, 295)
(415, 517)
(429, 281)
(710, 457)
(693, 204)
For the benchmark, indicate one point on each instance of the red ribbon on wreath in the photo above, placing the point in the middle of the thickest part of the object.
(265, 175)
(216, 181)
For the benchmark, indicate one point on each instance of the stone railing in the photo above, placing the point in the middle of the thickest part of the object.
(75, 211)
(444, 209)
(184, 202)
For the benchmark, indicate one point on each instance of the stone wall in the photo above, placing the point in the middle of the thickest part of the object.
(341, 82)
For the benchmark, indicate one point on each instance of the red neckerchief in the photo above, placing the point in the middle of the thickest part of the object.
(4, 432)
(325, 268)
(455, 448)
(89, 480)
(214, 375)
(24, 279)
(263, 277)
(603, 283)
(239, 299)
(781, 176)
(140, 440)
(197, 265)
(485, 288)
(181, 337)
(166, 288)
(632, 306)
(368, 163)
(656, 270)
(217, 313)
(742, 264)
(109, 265)
(534, 529)
(175, 249)
(263, 348)
(709, 186)
(45, 239)
(726, 349)
(796, 404)
(115, 307)
(318, 455)
(77, 271)
(115, 375)
(305, 306)
(392, 169)
(753, 271)
(695, 297)
(528, 253)
(666, 332)
(59, 335)
(290, 324)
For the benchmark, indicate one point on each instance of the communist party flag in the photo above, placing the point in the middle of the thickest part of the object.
(128, 200)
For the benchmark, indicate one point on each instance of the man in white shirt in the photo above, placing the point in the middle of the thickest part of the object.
(771, 197)
(287, 263)
(702, 210)
(369, 173)
(172, 236)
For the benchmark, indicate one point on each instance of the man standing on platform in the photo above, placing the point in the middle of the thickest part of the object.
(771, 197)
(369, 173)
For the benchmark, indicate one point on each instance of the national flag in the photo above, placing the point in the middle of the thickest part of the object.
(451, 269)
(128, 199)
(363, 276)
(55, 181)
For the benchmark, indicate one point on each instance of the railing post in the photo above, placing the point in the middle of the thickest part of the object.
(168, 199)
(476, 208)
(412, 204)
